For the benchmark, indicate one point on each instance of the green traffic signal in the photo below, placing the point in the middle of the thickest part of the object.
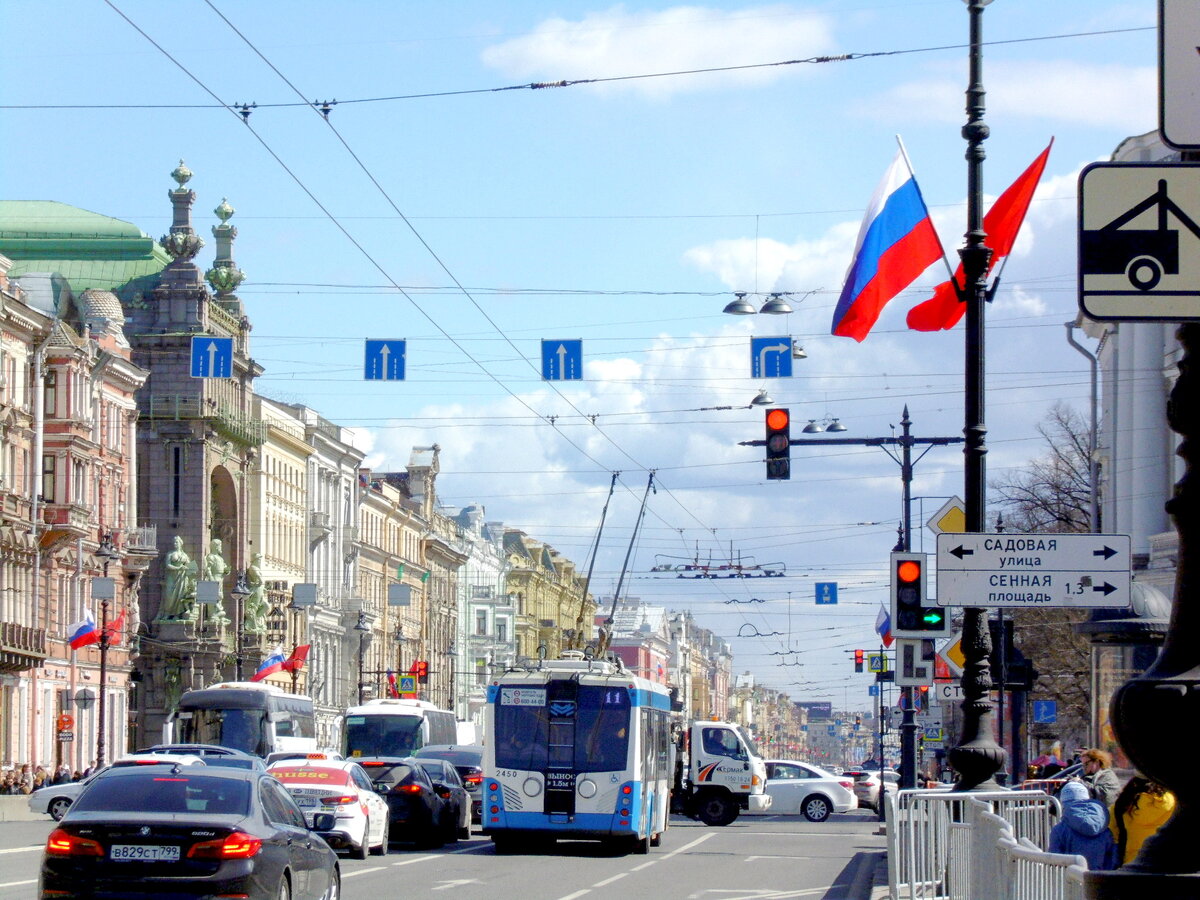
(932, 617)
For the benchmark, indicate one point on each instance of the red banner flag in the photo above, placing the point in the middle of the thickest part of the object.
(296, 660)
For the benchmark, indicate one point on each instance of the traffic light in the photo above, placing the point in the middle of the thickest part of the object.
(912, 614)
(421, 669)
(858, 660)
(779, 444)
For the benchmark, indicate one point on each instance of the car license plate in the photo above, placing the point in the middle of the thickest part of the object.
(306, 802)
(144, 852)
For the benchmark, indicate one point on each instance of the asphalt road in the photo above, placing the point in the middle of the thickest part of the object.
(756, 858)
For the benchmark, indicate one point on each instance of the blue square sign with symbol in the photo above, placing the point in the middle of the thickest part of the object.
(1045, 712)
(771, 357)
(212, 357)
(562, 360)
(384, 360)
(826, 593)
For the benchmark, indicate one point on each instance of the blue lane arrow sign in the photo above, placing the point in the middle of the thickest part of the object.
(771, 357)
(212, 357)
(562, 360)
(384, 360)
(826, 593)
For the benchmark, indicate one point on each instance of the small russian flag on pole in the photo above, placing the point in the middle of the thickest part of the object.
(270, 665)
(83, 633)
(883, 627)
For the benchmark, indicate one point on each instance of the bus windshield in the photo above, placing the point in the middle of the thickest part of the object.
(241, 729)
(592, 736)
(382, 735)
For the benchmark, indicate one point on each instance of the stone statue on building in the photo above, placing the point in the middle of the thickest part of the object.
(254, 620)
(215, 569)
(179, 586)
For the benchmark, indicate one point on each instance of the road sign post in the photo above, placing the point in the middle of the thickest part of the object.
(1034, 570)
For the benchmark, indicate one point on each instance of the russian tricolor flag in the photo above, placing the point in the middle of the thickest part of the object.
(883, 627)
(896, 243)
(270, 665)
(84, 633)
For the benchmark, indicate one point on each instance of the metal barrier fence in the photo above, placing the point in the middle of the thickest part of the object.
(977, 846)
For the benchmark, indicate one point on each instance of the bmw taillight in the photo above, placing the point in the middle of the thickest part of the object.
(62, 843)
(237, 845)
(474, 779)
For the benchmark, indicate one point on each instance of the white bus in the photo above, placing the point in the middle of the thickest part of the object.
(577, 749)
(395, 727)
(256, 718)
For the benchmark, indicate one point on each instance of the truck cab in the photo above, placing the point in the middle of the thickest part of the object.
(718, 773)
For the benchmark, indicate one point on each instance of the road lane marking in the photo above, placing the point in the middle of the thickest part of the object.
(638, 868)
(608, 881)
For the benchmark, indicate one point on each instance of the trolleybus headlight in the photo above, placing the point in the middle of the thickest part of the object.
(587, 788)
(532, 787)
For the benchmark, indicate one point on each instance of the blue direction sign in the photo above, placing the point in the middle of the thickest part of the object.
(562, 360)
(872, 690)
(831, 729)
(826, 593)
(212, 357)
(384, 361)
(1045, 712)
(771, 357)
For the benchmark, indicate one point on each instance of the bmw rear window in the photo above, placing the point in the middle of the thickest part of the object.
(165, 792)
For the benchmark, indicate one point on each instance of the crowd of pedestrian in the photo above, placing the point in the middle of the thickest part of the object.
(26, 778)
(1104, 822)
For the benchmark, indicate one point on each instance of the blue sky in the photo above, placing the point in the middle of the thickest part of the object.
(623, 212)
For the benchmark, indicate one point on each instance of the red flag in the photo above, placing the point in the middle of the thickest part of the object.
(296, 660)
(112, 630)
(391, 680)
(1002, 222)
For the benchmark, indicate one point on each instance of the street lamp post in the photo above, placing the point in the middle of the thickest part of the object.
(104, 591)
(363, 631)
(978, 757)
(240, 592)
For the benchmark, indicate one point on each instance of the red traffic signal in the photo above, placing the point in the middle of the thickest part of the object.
(858, 660)
(421, 670)
(779, 444)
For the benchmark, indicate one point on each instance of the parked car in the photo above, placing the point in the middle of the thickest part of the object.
(800, 788)
(456, 800)
(361, 822)
(866, 786)
(190, 831)
(468, 759)
(56, 799)
(212, 754)
(414, 804)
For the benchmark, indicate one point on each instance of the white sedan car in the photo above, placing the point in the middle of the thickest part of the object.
(341, 787)
(797, 787)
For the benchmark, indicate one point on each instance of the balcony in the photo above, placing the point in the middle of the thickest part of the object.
(143, 539)
(319, 525)
(21, 648)
(227, 421)
(64, 522)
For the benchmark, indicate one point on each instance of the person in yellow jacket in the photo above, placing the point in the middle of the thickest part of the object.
(1142, 807)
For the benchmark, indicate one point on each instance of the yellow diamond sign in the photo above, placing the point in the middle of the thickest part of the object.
(950, 518)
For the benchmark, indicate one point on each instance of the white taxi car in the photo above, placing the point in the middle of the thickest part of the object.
(342, 788)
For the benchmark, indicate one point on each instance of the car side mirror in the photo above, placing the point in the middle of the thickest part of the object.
(323, 822)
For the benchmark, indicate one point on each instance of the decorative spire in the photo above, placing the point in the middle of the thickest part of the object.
(224, 276)
(181, 242)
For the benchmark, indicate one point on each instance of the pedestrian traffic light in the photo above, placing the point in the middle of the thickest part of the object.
(858, 660)
(912, 614)
(779, 444)
(421, 669)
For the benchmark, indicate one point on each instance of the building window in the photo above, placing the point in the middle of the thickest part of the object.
(50, 394)
(502, 630)
(49, 483)
(176, 479)
(481, 671)
(481, 622)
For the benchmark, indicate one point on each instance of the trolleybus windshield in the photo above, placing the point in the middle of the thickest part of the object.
(585, 729)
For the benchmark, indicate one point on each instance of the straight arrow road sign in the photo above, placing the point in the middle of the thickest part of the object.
(562, 360)
(384, 360)
(1030, 570)
(212, 357)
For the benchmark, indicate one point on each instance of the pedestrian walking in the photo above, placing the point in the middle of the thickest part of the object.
(1142, 807)
(1084, 828)
(1099, 776)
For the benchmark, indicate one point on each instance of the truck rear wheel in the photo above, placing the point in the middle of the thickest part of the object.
(717, 809)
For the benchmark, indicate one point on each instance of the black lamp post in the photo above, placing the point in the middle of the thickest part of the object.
(978, 757)
(104, 591)
(364, 631)
(240, 592)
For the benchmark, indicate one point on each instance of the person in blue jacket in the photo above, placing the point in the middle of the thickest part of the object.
(1084, 828)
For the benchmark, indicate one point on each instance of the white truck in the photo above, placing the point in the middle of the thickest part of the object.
(718, 773)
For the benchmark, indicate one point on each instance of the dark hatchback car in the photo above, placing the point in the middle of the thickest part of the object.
(468, 760)
(184, 832)
(456, 800)
(414, 805)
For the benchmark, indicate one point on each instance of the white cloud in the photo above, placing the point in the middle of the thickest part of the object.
(617, 42)
(1114, 96)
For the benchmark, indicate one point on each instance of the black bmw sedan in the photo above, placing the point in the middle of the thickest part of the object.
(187, 832)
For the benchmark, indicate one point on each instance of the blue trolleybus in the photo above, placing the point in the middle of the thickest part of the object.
(578, 749)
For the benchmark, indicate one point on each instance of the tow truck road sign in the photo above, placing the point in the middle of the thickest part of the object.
(1139, 237)
(1031, 570)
